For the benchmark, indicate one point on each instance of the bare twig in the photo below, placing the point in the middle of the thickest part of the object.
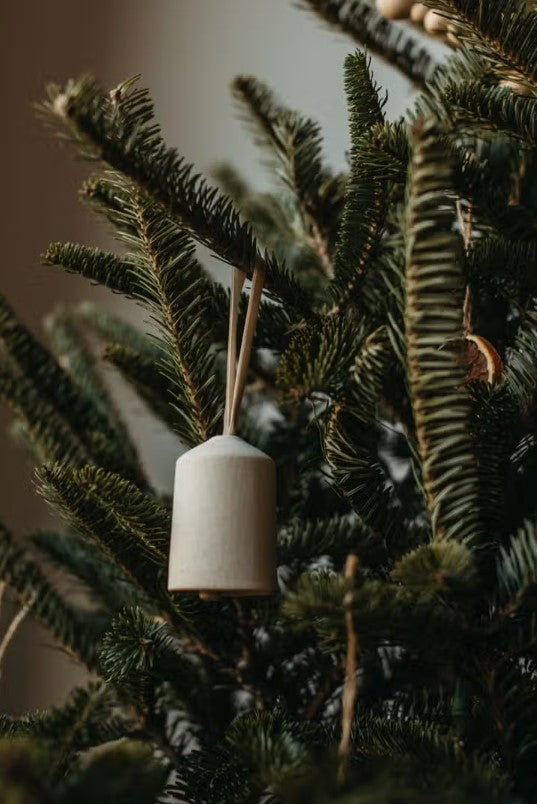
(466, 231)
(13, 627)
(350, 685)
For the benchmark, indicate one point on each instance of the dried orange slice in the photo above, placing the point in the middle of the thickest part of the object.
(484, 361)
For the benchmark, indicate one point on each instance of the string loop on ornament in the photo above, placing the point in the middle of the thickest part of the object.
(237, 370)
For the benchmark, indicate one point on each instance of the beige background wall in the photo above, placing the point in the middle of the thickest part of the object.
(187, 51)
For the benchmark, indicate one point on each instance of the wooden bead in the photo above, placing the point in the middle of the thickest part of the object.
(223, 539)
(418, 12)
(394, 9)
(434, 23)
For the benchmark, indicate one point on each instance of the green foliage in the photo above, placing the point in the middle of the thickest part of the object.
(296, 144)
(503, 36)
(406, 471)
(317, 361)
(61, 417)
(78, 630)
(434, 331)
(126, 523)
(365, 196)
(520, 373)
(120, 131)
(98, 266)
(364, 25)
(259, 753)
(436, 568)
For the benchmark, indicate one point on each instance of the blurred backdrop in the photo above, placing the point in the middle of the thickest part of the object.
(187, 52)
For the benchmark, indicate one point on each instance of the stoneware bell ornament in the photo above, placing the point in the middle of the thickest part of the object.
(223, 539)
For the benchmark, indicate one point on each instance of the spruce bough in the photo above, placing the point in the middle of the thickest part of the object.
(396, 662)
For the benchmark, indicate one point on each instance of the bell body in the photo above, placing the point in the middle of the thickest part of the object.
(223, 539)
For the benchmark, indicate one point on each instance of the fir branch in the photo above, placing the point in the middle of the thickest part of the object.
(79, 558)
(111, 328)
(77, 630)
(173, 281)
(260, 752)
(119, 129)
(368, 372)
(150, 382)
(503, 268)
(365, 196)
(492, 108)
(434, 326)
(139, 653)
(496, 415)
(503, 35)
(520, 371)
(383, 613)
(364, 25)
(127, 524)
(99, 267)
(64, 330)
(351, 452)
(50, 435)
(47, 386)
(296, 142)
(303, 540)
(443, 568)
(517, 566)
(318, 359)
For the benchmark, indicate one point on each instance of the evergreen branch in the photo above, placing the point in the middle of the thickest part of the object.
(98, 266)
(297, 143)
(496, 416)
(260, 752)
(365, 196)
(434, 326)
(520, 371)
(503, 35)
(487, 182)
(368, 373)
(517, 565)
(119, 129)
(493, 108)
(79, 558)
(46, 385)
(352, 454)
(442, 568)
(118, 200)
(153, 385)
(127, 524)
(77, 630)
(383, 613)
(138, 653)
(63, 327)
(504, 268)
(318, 359)
(111, 328)
(303, 540)
(173, 280)
(364, 25)
(87, 719)
(437, 754)
(50, 435)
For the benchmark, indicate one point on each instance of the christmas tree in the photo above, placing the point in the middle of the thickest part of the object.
(393, 381)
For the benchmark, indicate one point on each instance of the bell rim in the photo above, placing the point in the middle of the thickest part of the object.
(227, 591)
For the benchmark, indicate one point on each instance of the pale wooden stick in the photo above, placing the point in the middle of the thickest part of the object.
(12, 628)
(350, 685)
(237, 283)
(246, 345)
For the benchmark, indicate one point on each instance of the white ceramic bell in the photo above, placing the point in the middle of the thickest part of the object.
(223, 539)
